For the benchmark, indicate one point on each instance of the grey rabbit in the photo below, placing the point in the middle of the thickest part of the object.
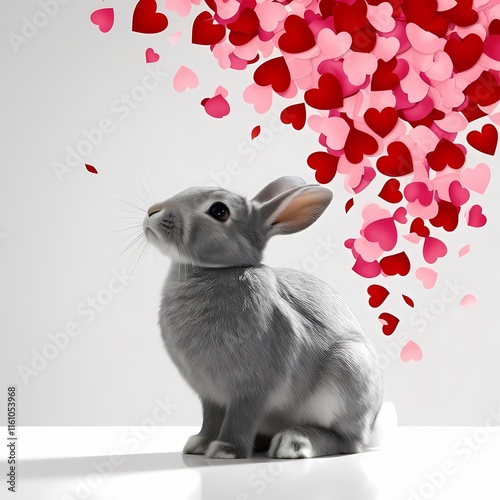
(276, 356)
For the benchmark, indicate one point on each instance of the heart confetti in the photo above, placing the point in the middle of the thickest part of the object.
(104, 18)
(386, 86)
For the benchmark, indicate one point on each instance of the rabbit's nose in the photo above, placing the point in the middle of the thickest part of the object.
(154, 209)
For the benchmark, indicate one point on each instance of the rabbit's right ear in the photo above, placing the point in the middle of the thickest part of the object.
(277, 187)
(293, 210)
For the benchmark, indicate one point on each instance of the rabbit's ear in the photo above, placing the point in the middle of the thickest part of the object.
(294, 210)
(277, 187)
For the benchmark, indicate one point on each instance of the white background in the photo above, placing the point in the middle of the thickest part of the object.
(58, 244)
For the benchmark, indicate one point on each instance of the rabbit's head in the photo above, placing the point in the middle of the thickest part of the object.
(212, 227)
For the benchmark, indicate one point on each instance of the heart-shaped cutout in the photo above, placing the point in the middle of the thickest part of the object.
(146, 19)
(377, 294)
(411, 352)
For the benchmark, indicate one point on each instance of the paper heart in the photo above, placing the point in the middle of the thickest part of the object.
(422, 40)
(462, 14)
(381, 122)
(380, 17)
(484, 141)
(182, 7)
(446, 154)
(475, 217)
(103, 18)
(477, 178)
(458, 194)
(447, 216)
(349, 18)
(336, 131)
(408, 300)
(297, 37)
(468, 300)
(418, 191)
(328, 95)
(270, 15)
(91, 168)
(244, 28)
(358, 144)
(358, 65)
(418, 227)
(396, 264)
(151, 56)
(294, 115)
(185, 78)
(465, 52)
(217, 106)
(390, 191)
(433, 249)
(325, 165)
(411, 352)
(383, 232)
(492, 46)
(377, 294)
(146, 19)
(366, 269)
(427, 276)
(260, 97)
(398, 162)
(400, 215)
(333, 45)
(273, 72)
(385, 77)
(389, 323)
(205, 32)
(349, 204)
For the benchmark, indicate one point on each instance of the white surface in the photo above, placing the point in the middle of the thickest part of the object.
(455, 463)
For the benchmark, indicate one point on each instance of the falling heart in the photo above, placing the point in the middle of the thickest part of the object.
(273, 72)
(103, 18)
(325, 165)
(390, 191)
(389, 323)
(298, 36)
(377, 294)
(381, 122)
(328, 95)
(294, 115)
(411, 352)
(398, 161)
(146, 19)
(484, 141)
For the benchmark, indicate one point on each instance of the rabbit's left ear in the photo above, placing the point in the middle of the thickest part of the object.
(294, 210)
(277, 187)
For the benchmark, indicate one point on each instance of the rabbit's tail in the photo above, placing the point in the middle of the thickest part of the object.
(385, 424)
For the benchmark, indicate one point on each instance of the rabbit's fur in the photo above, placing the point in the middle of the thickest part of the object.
(277, 358)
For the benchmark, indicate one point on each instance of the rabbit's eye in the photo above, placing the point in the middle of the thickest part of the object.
(219, 211)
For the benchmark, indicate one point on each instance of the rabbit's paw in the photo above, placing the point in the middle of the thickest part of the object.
(196, 445)
(219, 449)
(290, 444)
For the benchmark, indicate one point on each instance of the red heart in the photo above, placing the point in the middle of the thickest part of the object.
(445, 154)
(390, 323)
(384, 78)
(377, 295)
(484, 141)
(419, 12)
(328, 95)
(462, 14)
(464, 52)
(395, 264)
(381, 122)
(447, 216)
(485, 90)
(350, 18)
(417, 226)
(273, 72)
(494, 27)
(298, 37)
(437, 25)
(205, 32)
(294, 115)
(358, 144)
(472, 112)
(349, 204)
(408, 300)
(91, 168)
(475, 217)
(145, 18)
(398, 162)
(390, 191)
(245, 28)
(325, 165)
(255, 132)
(364, 40)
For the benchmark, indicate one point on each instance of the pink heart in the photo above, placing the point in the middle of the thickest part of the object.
(222, 91)
(421, 40)
(386, 48)
(227, 9)
(185, 78)
(367, 176)
(217, 106)
(174, 38)
(400, 215)
(104, 18)
(418, 191)
(464, 250)
(433, 249)
(182, 7)
(357, 65)
(427, 276)
(442, 67)
(475, 217)
(380, 17)
(411, 351)
(383, 232)
(270, 15)
(333, 45)
(476, 178)
(260, 97)
(336, 131)
(151, 56)
(468, 300)
(458, 194)
(369, 250)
